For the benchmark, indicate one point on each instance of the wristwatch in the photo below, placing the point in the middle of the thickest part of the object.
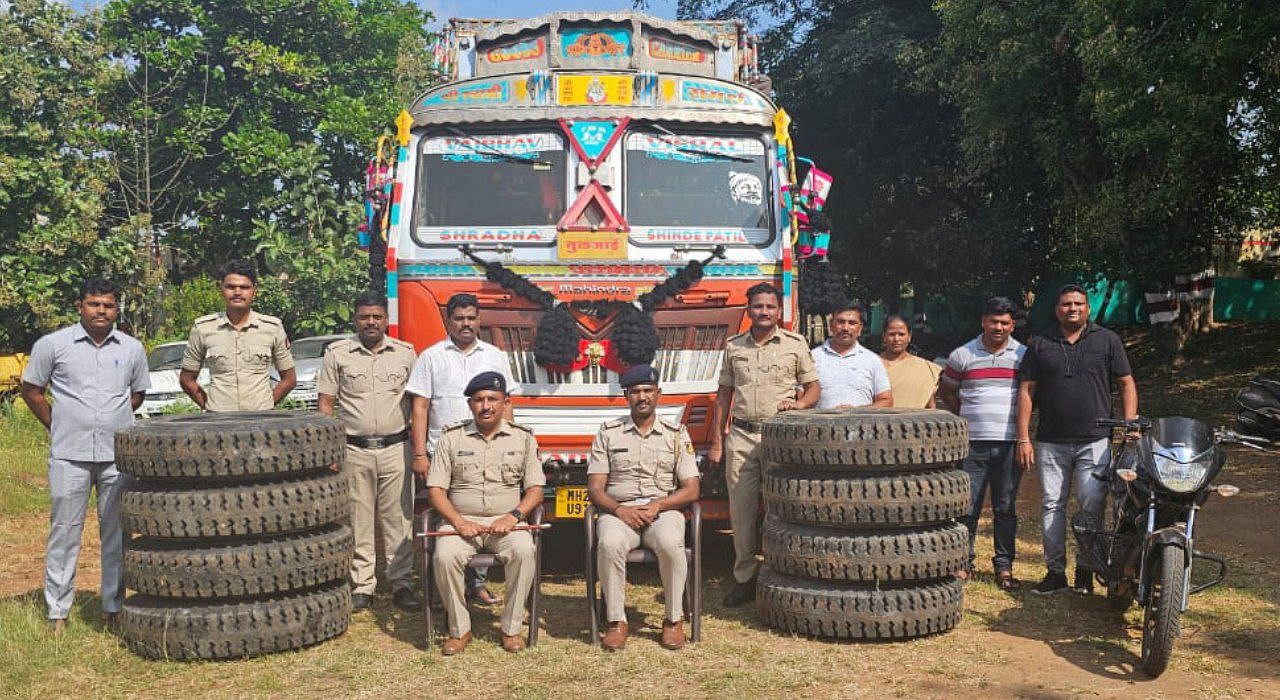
(515, 513)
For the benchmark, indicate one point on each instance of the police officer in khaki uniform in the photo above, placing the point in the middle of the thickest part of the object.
(240, 346)
(364, 378)
(759, 375)
(485, 479)
(642, 471)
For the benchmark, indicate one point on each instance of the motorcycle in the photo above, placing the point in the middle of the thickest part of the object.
(1145, 548)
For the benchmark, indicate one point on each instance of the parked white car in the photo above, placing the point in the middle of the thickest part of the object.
(308, 353)
(164, 362)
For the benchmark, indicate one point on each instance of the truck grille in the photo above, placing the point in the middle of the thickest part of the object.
(685, 354)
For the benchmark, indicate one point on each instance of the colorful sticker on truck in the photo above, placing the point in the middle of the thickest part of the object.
(595, 43)
(487, 92)
(517, 51)
(673, 51)
(574, 90)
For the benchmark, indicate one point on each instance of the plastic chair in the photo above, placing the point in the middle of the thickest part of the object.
(430, 521)
(643, 555)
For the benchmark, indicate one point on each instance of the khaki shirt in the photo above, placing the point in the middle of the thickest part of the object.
(642, 466)
(368, 386)
(239, 360)
(486, 477)
(763, 375)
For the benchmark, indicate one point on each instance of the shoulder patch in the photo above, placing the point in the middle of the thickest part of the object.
(206, 318)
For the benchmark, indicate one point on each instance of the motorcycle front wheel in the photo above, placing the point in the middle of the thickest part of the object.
(1160, 624)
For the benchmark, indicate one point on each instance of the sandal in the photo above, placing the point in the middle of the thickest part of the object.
(1006, 581)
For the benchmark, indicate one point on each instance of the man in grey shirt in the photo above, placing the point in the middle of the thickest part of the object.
(97, 376)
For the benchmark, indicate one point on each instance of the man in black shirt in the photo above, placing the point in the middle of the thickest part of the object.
(1067, 374)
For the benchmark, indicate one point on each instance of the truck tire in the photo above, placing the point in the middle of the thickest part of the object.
(865, 439)
(844, 611)
(809, 498)
(158, 509)
(230, 446)
(238, 569)
(920, 554)
(164, 628)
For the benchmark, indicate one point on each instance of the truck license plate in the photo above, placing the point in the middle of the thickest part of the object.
(571, 501)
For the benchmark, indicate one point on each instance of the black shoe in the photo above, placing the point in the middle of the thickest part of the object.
(1084, 582)
(1054, 582)
(741, 594)
(405, 599)
(360, 601)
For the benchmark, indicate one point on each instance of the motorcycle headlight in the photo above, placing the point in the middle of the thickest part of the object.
(1181, 477)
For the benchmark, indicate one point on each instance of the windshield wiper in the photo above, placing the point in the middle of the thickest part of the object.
(483, 147)
(698, 151)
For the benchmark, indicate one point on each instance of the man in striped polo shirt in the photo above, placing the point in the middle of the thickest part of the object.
(980, 384)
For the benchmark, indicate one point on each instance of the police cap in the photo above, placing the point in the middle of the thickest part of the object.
(485, 381)
(638, 374)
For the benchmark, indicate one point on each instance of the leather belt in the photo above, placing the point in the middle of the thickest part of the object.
(374, 442)
(748, 425)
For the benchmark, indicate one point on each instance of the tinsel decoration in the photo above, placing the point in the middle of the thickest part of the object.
(634, 337)
(556, 340)
(822, 288)
(671, 286)
(555, 343)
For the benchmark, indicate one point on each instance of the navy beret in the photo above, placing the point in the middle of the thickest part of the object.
(486, 380)
(638, 374)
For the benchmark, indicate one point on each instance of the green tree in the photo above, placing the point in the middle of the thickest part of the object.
(314, 269)
(238, 88)
(53, 175)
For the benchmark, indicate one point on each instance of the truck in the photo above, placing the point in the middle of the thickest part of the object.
(608, 185)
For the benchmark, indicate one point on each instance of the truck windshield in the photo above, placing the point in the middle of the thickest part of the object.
(491, 180)
(696, 180)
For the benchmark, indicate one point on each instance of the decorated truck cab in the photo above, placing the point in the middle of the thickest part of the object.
(608, 185)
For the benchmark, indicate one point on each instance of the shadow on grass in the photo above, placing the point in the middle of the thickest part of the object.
(86, 608)
(1084, 631)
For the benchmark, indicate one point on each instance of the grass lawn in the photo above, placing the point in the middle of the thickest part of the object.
(1020, 645)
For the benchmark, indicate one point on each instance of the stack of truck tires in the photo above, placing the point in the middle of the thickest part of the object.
(240, 544)
(860, 534)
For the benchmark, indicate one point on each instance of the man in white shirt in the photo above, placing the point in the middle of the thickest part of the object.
(849, 374)
(436, 383)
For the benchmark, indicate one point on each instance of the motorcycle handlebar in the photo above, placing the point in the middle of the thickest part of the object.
(1139, 423)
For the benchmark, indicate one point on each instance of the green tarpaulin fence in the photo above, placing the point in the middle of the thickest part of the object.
(1120, 303)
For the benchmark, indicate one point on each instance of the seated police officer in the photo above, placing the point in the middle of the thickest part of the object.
(642, 471)
(485, 479)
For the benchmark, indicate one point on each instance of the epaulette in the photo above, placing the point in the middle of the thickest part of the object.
(459, 424)
(670, 424)
(206, 318)
(401, 343)
(793, 335)
(615, 423)
(344, 344)
(520, 427)
(270, 319)
(736, 336)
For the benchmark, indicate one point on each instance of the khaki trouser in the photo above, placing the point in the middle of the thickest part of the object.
(515, 550)
(743, 465)
(665, 537)
(380, 494)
